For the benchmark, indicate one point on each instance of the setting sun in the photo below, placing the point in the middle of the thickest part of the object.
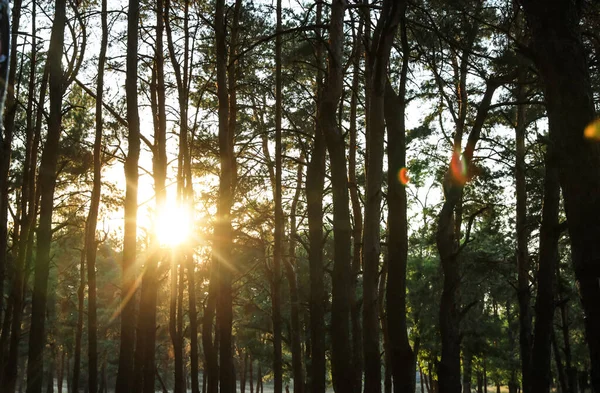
(173, 226)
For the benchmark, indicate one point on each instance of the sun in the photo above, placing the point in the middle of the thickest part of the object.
(173, 226)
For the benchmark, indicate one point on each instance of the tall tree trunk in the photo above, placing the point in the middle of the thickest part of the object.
(523, 292)
(278, 236)
(184, 180)
(47, 177)
(14, 309)
(251, 376)
(315, 178)
(193, 323)
(403, 360)
(127, 309)
(448, 248)
(571, 370)
(173, 326)
(8, 72)
(387, 361)
(92, 219)
(145, 367)
(223, 232)
(291, 266)
(562, 62)
(243, 373)
(210, 344)
(79, 326)
(467, 371)
(50, 373)
(383, 40)
(341, 346)
(544, 303)
(356, 214)
(60, 372)
(562, 378)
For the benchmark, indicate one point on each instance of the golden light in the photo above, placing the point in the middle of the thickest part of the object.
(174, 226)
(592, 131)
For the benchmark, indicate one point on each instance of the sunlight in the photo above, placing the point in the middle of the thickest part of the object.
(173, 226)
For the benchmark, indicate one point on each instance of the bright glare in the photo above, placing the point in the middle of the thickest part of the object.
(173, 226)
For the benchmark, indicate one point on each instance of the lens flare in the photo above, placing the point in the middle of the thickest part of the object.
(592, 131)
(403, 176)
(458, 168)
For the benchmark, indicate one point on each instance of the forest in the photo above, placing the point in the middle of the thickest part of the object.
(307, 196)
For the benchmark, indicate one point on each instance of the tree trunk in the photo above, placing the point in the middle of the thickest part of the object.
(467, 371)
(290, 265)
(193, 324)
(448, 247)
(7, 130)
(251, 376)
(387, 378)
(562, 62)
(378, 61)
(126, 354)
(401, 354)
(341, 346)
(223, 232)
(315, 178)
(173, 326)
(356, 214)
(145, 368)
(523, 292)
(14, 310)
(562, 378)
(258, 379)
(92, 219)
(243, 373)
(79, 326)
(60, 372)
(211, 368)
(47, 178)
(278, 236)
(544, 303)
(485, 378)
(571, 371)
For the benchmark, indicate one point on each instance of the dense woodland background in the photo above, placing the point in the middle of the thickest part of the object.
(379, 193)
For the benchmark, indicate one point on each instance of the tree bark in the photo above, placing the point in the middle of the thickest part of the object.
(223, 232)
(315, 179)
(92, 220)
(356, 214)
(523, 292)
(278, 236)
(541, 354)
(341, 345)
(145, 368)
(448, 248)
(561, 59)
(562, 378)
(47, 177)
(386, 28)
(467, 371)
(571, 370)
(290, 265)
(403, 359)
(13, 316)
(79, 326)
(127, 309)
(8, 72)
